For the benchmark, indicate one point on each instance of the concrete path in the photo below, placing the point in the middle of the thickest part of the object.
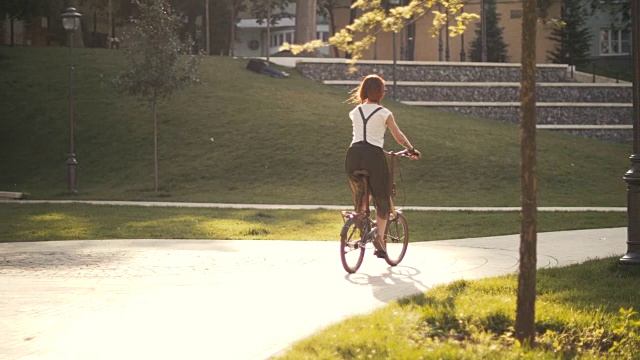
(209, 299)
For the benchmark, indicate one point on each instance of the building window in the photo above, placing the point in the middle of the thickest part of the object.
(615, 42)
(278, 39)
(516, 14)
(44, 22)
(322, 35)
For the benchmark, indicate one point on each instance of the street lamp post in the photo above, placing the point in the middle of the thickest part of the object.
(632, 177)
(71, 23)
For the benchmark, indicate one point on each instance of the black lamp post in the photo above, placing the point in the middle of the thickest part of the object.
(632, 177)
(71, 23)
(463, 56)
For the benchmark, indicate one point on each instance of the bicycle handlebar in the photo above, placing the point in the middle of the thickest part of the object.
(404, 153)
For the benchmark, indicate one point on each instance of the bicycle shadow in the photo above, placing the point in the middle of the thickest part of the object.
(398, 282)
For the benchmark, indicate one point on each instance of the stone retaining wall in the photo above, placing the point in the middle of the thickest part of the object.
(560, 116)
(492, 93)
(554, 86)
(428, 71)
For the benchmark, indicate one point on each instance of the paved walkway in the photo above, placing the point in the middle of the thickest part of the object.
(215, 299)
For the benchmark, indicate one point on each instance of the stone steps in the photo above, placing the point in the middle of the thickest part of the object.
(491, 90)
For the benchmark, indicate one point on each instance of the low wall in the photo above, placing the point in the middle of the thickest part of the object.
(507, 92)
(474, 83)
(334, 69)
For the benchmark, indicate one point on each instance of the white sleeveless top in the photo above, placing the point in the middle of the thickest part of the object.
(376, 125)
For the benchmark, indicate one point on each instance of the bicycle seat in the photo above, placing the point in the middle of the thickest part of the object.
(363, 173)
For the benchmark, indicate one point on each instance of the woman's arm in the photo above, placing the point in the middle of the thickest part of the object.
(398, 135)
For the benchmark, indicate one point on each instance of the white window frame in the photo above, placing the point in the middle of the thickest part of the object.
(322, 35)
(612, 42)
(280, 37)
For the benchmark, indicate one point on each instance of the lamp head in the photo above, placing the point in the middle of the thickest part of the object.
(71, 19)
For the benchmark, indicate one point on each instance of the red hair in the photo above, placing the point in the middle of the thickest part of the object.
(371, 88)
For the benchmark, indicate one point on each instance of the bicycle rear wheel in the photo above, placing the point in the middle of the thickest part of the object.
(397, 238)
(351, 246)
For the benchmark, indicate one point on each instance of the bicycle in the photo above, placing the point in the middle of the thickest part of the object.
(357, 231)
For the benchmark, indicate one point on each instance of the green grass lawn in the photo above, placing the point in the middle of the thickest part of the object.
(585, 311)
(244, 137)
(42, 222)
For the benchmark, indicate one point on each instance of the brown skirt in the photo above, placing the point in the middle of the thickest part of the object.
(363, 156)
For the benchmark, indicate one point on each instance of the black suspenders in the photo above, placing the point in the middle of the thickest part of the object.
(365, 120)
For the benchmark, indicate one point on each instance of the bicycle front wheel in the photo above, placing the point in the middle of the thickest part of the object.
(397, 238)
(351, 246)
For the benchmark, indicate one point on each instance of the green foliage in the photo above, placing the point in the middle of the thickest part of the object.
(496, 47)
(616, 8)
(572, 36)
(377, 16)
(157, 64)
(278, 10)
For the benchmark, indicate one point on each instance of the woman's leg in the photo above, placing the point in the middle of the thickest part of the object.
(381, 223)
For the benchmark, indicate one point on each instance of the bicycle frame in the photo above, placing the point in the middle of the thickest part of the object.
(352, 246)
(364, 200)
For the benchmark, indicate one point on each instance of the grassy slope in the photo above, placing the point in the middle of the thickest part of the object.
(275, 141)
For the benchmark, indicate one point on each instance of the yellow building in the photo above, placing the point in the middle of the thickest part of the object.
(429, 48)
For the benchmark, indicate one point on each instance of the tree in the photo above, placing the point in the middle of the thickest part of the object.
(496, 47)
(159, 62)
(26, 10)
(526, 302)
(325, 9)
(376, 18)
(234, 7)
(305, 29)
(572, 36)
(619, 8)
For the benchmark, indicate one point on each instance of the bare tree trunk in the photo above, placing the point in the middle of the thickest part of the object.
(332, 29)
(525, 312)
(154, 109)
(305, 29)
(232, 43)
(352, 18)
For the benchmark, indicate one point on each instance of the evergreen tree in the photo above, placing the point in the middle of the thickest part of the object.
(573, 38)
(496, 47)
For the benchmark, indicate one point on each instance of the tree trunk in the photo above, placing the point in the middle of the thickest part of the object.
(525, 312)
(305, 29)
(332, 28)
(352, 17)
(154, 109)
(232, 41)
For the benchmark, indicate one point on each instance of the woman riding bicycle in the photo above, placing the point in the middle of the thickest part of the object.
(370, 121)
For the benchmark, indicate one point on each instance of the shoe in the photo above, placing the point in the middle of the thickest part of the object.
(380, 250)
